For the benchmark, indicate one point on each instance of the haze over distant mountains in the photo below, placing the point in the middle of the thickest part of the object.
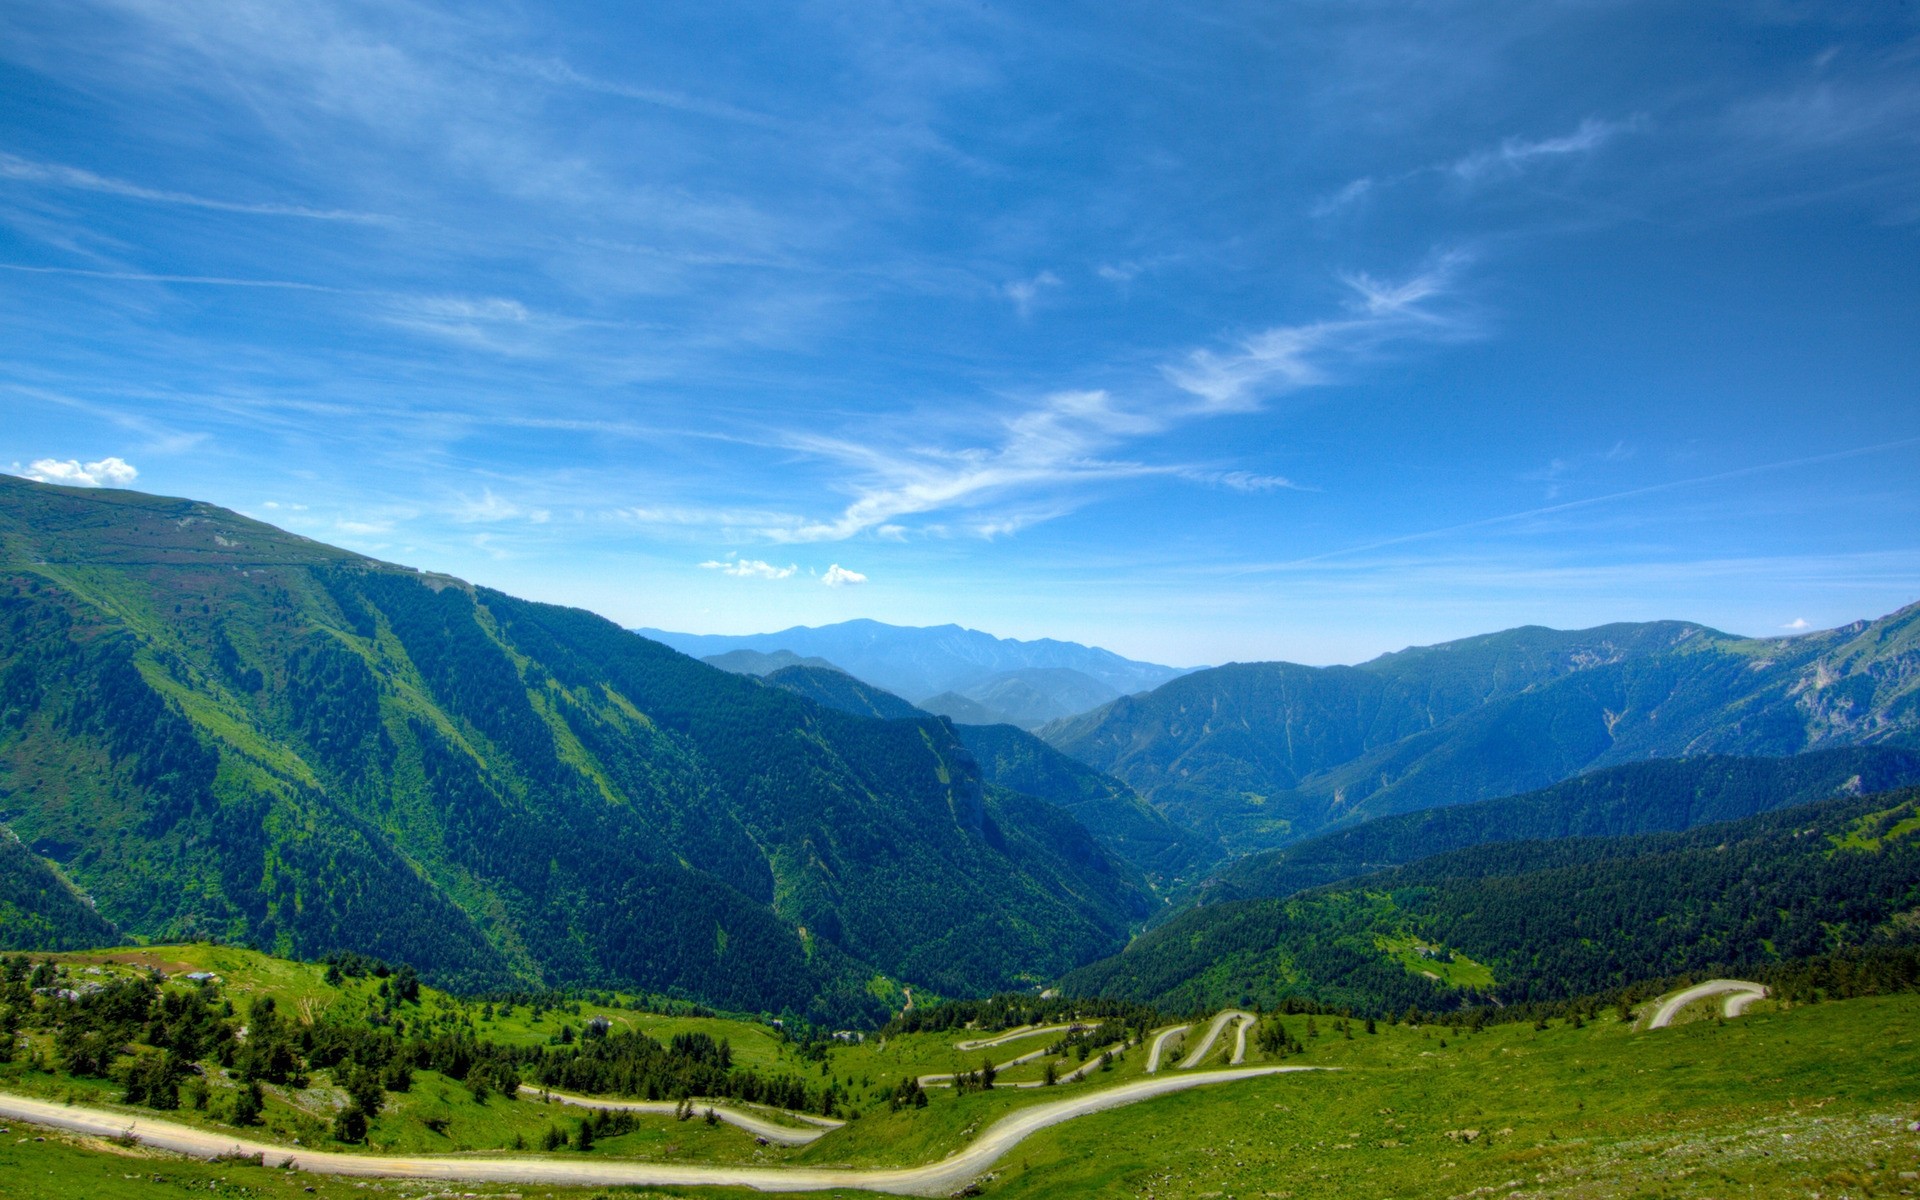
(972, 677)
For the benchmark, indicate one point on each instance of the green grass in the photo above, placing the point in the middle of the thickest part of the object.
(1460, 971)
(1811, 1098)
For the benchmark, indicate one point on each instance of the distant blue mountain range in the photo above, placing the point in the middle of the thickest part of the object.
(1006, 679)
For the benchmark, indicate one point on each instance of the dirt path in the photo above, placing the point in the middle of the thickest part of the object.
(1159, 1043)
(1024, 1031)
(740, 1118)
(934, 1179)
(1205, 1047)
(1092, 1064)
(1739, 994)
(1240, 1041)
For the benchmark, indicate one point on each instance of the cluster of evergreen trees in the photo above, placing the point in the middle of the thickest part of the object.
(1550, 919)
(161, 1042)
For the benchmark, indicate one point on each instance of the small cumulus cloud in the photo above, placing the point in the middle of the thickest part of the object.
(1798, 623)
(839, 576)
(108, 472)
(749, 568)
(1023, 292)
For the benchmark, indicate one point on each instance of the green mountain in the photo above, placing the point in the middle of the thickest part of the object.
(1129, 826)
(1647, 797)
(1543, 920)
(41, 911)
(221, 730)
(1263, 754)
(834, 688)
(1014, 759)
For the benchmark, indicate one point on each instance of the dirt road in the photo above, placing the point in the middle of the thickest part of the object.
(740, 1118)
(1024, 1031)
(1159, 1044)
(1740, 993)
(934, 1179)
(1219, 1022)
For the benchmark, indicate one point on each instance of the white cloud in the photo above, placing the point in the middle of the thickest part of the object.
(1243, 481)
(1797, 623)
(108, 472)
(1066, 439)
(1023, 292)
(54, 175)
(1054, 443)
(1514, 153)
(490, 508)
(1118, 272)
(1353, 193)
(749, 568)
(839, 576)
(1289, 357)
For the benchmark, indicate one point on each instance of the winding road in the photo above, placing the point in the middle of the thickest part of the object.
(1205, 1047)
(1739, 993)
(745, 1119)
(1159, 1044)
(1024, 1031)
(934, 1179)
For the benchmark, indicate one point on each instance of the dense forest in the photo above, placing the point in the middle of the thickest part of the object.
(222, 731)
(1014, 759)
(1539, 920)
(1665, 794)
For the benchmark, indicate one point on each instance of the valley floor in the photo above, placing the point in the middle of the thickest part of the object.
(1816, 1099)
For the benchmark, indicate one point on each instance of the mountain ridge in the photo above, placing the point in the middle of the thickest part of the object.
(1266, 753)
(223, 730)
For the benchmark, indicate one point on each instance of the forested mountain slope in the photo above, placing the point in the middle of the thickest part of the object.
(1262, 754)
(1016, 760)
(1548, 919)
(38, 911)
(1663, 794)
(835, 688)
(223, 730)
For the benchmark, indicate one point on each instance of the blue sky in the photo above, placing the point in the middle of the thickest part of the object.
(1202, 332)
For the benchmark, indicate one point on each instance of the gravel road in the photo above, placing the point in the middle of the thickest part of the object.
(934, 1179)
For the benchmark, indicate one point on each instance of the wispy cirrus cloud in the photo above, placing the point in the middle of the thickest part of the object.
(1515, 153)
(1288, 357)
(1025, 292)
(1072, 440)
(24, 170)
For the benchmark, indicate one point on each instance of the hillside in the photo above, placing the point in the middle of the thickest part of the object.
(1010, 758)
(360, 1062)
(832, 688)
(1664, 794)
(1129, 826)
(1264, 754)
(1544, 920)
(222, 730)
(38, 910)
